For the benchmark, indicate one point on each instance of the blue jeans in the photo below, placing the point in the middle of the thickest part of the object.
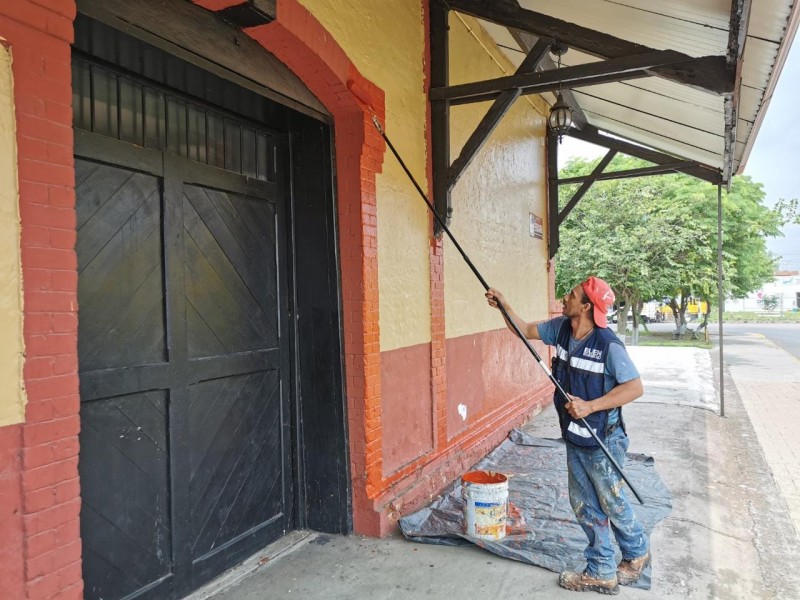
(597, 495)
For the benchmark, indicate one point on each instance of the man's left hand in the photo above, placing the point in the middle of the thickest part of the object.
(577, 408)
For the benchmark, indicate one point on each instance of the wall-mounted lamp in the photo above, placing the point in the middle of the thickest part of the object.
(560, 119)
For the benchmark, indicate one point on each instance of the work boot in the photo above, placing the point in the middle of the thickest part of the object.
(581, 582)
(629, 571)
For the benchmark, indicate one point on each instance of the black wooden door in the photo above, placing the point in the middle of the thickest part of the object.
(185, 446)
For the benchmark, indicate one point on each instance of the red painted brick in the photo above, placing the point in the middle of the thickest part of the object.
(65, 281)
(61, 196)
(32, 148)
(30, 13)
(28, 64)
(33, 192)
(39, 367)
(56, 111)
(49, 258)
(35, 236)
(71, 574)
(43, 129)
(66, 363)
(47, 216)
(40, 500)
(51, 301)
(51, 452)
(60, 155)
(45, 89)
(52, 517)
(64, 238)
(69, 531)
(65, 323)
(54, 560)
(64, 8)
(50, 345)
(60, 27)
(45, 172)
(73, 592)
(48, 431)
(43, 588)
(40, 544)
(56, 408)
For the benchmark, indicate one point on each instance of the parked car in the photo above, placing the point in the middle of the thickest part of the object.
(612, 318)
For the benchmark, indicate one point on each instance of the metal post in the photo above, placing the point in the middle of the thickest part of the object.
(720, 301)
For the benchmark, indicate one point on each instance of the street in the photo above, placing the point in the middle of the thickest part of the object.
(785, 335)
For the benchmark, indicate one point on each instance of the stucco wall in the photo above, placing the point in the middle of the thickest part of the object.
(12, 396)
(387, 46)
(495, 196)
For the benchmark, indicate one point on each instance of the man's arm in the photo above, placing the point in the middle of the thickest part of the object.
(529, 330)
(621, 395)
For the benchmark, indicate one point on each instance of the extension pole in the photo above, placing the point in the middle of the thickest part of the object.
(720, 301)
(501, 307)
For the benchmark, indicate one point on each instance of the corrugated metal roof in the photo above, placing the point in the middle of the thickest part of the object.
(665, 115)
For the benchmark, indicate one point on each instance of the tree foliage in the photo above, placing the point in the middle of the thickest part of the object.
(656, 237)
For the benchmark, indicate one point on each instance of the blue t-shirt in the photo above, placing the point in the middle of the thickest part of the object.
(619, 367)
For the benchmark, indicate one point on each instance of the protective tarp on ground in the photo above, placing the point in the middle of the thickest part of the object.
(541, 529)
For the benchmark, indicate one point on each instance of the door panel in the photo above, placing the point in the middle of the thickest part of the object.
(237, 407)
(125, 514)
(185, 452)
(120, 267)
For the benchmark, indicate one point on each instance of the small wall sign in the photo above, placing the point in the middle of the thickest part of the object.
(537, 227)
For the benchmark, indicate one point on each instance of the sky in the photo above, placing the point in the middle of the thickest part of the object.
(774, 159)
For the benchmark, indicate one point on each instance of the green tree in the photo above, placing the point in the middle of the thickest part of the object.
(746, 223)
(623, 232)
(655, 237)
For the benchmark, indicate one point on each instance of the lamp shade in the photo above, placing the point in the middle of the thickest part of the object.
(560, 119)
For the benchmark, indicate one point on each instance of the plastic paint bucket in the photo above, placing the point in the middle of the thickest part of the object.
(485, 496)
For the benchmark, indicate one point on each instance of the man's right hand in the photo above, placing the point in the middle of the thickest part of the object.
(494, 297)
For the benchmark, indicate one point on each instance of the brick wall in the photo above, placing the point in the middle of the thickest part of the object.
(299, 41)
(39, 33)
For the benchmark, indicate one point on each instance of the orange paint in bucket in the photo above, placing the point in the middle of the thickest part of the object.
(485, 496)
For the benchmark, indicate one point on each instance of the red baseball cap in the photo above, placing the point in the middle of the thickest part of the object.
(601, 296)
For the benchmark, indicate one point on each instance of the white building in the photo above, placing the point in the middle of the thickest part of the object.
(784, 289)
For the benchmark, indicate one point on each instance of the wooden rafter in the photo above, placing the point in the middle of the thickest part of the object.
(552, 193)
(614, 69)
(581, 191)
(440, 112)
(593, 136)
(495, 113)
(706, 73)
(628, 173)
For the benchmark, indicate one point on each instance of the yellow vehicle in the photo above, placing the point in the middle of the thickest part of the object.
(695, 310)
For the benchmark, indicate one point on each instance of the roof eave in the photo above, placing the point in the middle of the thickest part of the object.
(783, 52)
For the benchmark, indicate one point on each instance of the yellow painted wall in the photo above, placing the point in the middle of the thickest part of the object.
(12, 395)
(385, 41)
(495, 195)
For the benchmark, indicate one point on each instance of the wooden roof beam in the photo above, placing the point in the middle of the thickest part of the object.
(709, 74)
(614, 69)
(675, 166)
(495, 113)
(593, 136)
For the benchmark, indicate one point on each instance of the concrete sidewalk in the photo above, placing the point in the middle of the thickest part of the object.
(729, 535)
(768, 380)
